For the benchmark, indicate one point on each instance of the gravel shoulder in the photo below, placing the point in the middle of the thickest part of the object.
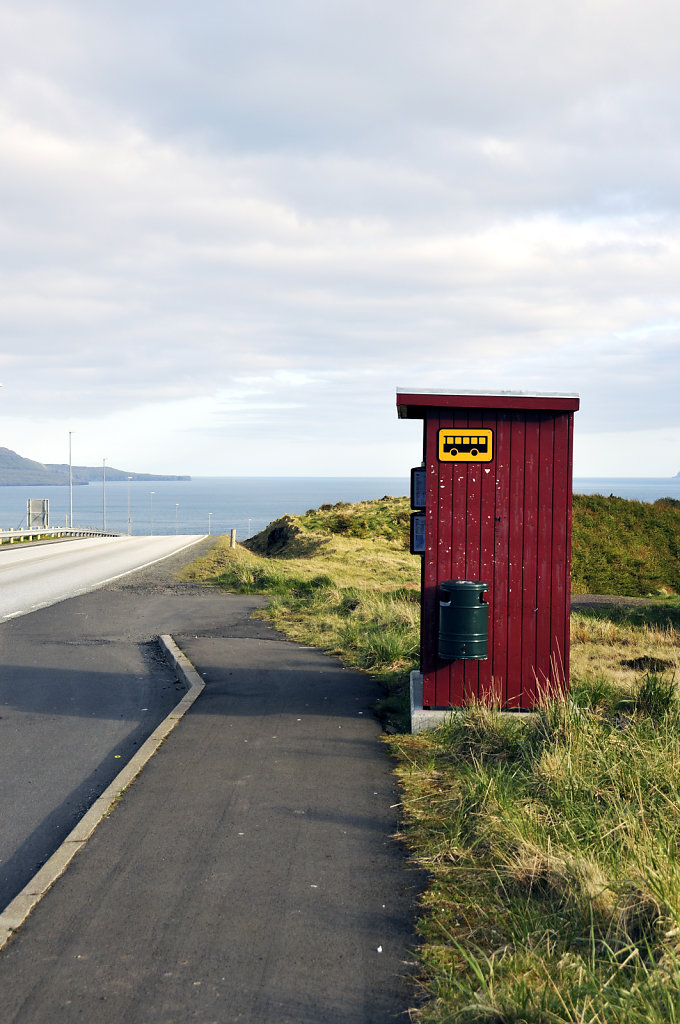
(579, 601)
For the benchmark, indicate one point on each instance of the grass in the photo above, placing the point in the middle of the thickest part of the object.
(625, 547)
(552, 843)
(553, 851)
(341, 578)
(626, 642)
(388, 518)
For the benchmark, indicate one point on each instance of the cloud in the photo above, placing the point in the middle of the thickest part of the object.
(250, 219)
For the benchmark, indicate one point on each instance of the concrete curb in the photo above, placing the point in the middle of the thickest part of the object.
(21, 906)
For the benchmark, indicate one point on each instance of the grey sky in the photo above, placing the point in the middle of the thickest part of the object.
(229, 231)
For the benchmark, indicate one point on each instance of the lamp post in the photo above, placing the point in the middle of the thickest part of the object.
(209, 515)
(151, 519)
(104, 494)
(176, 511)
(70, 481)
(129, 520)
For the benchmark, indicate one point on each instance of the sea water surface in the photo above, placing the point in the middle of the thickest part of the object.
(244, 504)
(641, 488)
(200, 505)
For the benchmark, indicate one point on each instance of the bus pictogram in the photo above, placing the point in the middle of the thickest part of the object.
(472, 445)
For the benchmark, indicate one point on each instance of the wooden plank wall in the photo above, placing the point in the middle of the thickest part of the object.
(508, 523)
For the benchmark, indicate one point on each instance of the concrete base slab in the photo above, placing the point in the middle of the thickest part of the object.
(422, 718)
(429, 718)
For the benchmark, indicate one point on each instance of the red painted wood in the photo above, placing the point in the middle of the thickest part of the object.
(457, 565)
(561, 554)
(447, 535)
(544, 582)
(454, 567)
(414, 405)
(515, 564)
(487, 567)
(507, 523)
(567, 583)
(472, 551)
(498, 599)
(429, 596)
(530, 556)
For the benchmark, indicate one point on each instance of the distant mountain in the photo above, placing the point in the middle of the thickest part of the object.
(18, 471)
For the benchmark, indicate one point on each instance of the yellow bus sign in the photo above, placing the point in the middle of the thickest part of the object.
(469, 445)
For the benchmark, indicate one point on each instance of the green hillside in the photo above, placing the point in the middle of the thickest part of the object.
(619, 546)
(625, 547)
(16, 470)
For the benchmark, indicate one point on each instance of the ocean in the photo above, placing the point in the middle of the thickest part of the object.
(200, 505)
(641, 488)
(244, 504)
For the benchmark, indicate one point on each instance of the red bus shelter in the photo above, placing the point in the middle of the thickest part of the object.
(496, 485)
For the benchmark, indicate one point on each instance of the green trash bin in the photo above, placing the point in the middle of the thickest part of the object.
(463, 620)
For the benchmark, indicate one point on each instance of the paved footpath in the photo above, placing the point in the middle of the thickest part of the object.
(248, 875)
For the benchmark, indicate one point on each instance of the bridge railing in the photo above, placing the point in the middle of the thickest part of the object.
(53, 532)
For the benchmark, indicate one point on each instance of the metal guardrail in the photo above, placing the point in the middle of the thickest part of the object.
(53, 532)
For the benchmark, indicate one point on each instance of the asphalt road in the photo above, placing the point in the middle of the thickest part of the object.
(249, 875)
(82, 684)
(33, 576)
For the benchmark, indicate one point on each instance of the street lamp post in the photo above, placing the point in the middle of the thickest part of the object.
(209, 516)
(70, 481)
(104, 494)
(129, 520)
(151, 520)
(176, 511)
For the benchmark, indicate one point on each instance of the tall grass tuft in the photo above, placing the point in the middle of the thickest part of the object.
(553, 848)
(657, 696)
